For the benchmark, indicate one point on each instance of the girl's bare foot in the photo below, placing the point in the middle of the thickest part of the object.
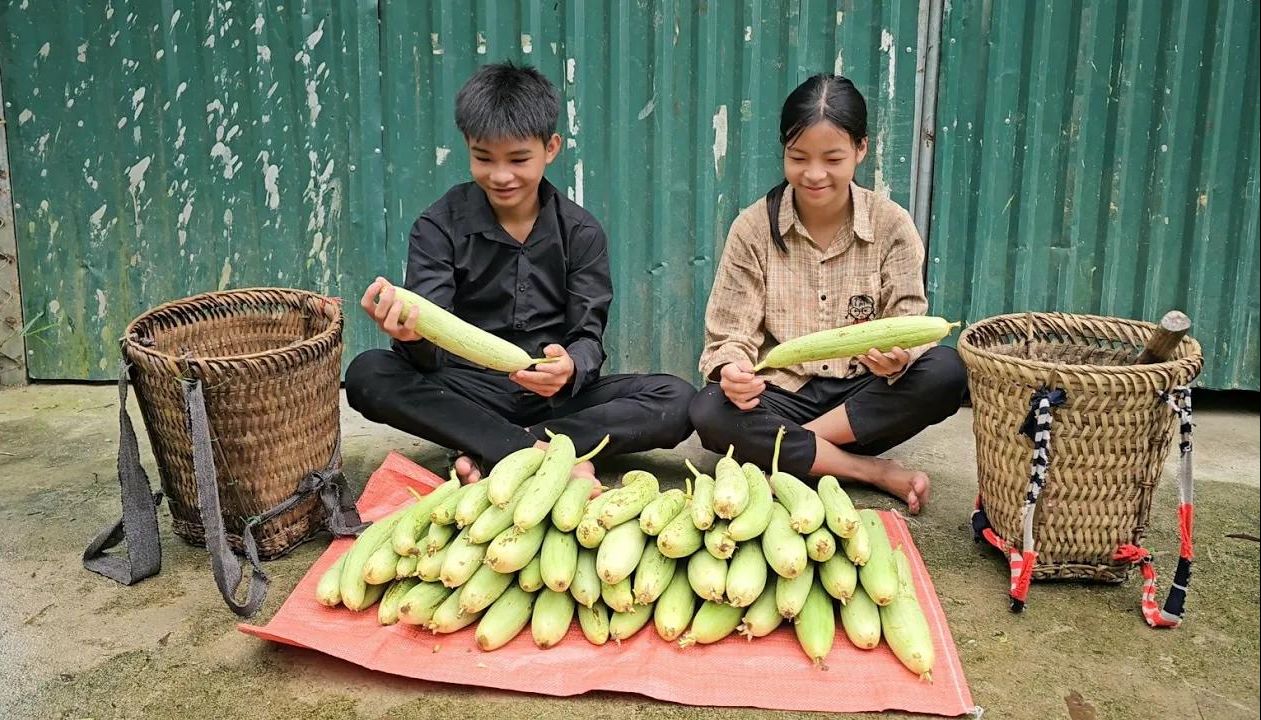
(911, 486)
(467, 470)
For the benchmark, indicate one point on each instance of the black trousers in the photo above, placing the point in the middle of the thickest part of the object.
(487, 416)
(881, 415)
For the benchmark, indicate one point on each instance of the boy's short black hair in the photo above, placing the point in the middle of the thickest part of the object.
(505, 101)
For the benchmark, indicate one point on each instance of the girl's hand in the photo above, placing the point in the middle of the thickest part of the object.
(387, 312)
(885, 364)
(740, 385)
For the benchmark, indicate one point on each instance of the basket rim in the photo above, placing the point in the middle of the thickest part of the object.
(1191, 361)
(331, 305)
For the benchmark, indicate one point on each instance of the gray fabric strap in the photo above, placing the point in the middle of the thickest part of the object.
(139, 523)
(223, 562)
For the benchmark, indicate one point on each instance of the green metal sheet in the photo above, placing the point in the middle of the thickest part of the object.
(225, 144)
(1102, 157)
(670, 120)
(161, 149)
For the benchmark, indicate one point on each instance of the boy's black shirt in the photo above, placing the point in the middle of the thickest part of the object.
(553, 288)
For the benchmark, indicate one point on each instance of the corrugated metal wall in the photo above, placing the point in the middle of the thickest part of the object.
(670, 120)
(1090, 156)
(160, 150)
(1102, 157)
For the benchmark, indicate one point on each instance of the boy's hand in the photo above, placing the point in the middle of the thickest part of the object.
(387, 312)
(547, 379)
(740, 385)
(885, 364)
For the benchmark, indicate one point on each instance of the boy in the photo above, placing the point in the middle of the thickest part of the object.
(511, 255)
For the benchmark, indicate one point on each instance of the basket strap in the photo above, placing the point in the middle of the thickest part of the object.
(1175, 602)
(982, 530)
(1037, 425)
(139, 524)
(223, 562)
(340, 515)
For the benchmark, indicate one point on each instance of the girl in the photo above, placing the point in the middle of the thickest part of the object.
(820, 252)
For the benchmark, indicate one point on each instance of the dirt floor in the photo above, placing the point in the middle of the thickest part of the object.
(75, 645)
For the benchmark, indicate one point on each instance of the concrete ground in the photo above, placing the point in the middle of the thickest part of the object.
(75, 645)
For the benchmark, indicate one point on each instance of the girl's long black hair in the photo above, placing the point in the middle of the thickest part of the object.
(822, 97)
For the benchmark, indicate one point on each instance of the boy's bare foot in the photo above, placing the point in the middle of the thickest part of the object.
(467, 470)
(912, 486)
(585, 469)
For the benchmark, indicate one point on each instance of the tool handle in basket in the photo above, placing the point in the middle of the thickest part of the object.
(1160, 346)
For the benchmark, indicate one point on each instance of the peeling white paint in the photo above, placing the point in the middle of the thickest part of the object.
(259, 23)
(210, 40)
(264, 53)
(69, 103)
(44, 50)
(571, 111)
(102, 303)
(839, 66)
(481, 43)
(83, 52)
(880, 185)
(840, 17)
(137, 102)
(578, 178)
(648, 107)
(224, 153)
(748, 33)
(97, 217)
(571, 143)
(54, 307)
(225, 275)
(440, 154)
(135, 134)
(41, 145)
(135, 175)
(214, 105)
(886, 46)
(314, 38)
(271, 174)
(720, 138)
(113, 37)
(272, 90)
(122, 123)
(179, 89)
(555, 48)
(313, 99)
(179, 137)
(25, 116)
(435, 43)
(175, 17)
(159, 54)
(182, 222)
(527, 43)
(569, 71)
(43, 206)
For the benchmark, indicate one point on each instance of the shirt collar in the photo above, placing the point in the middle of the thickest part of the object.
(861, 198)
(475, 215)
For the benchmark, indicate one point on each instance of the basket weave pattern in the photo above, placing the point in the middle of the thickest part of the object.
(269, 361)
(1108, 441)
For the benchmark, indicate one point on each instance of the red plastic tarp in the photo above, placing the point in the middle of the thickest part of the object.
(770, 672)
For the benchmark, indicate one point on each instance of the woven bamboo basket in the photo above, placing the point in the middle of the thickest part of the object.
(1109, 439)
(269, 360)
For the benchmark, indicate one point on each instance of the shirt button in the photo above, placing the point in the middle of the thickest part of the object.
(823, 297)
(518, 325)
(825, 367)
(521, 287)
